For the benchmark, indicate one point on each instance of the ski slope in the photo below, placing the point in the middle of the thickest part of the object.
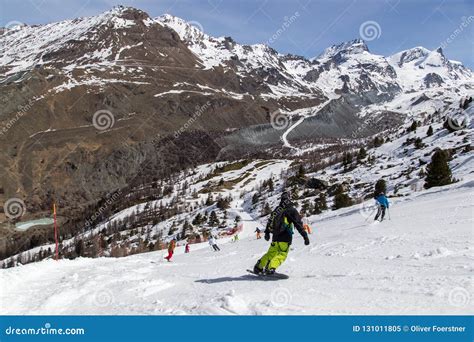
(419, 262)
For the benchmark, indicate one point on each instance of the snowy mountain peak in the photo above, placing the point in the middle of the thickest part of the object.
(187, 31)
(354, 46)
(127, 12)
(417, 54)
(420, 68)
(435, 58)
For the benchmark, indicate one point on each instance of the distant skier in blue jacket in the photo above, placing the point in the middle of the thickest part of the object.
(383, 204)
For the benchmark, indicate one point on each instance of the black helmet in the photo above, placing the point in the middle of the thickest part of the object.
(285, 196)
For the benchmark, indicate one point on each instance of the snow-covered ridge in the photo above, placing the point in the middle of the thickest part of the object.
(25, 47)
(348, 67)
(216, 51)
(419, 68)
(341, 66)
(352, 46)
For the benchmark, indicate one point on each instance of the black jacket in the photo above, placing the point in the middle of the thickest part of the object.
(293, 216)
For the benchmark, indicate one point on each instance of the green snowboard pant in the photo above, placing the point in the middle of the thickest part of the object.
(275, 255)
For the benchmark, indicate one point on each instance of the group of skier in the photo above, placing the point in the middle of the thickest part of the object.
(172, 246)
(280, 227)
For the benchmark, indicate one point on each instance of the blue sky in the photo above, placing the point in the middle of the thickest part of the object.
(316, 24)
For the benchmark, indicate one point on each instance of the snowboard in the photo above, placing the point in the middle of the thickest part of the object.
(273, 276)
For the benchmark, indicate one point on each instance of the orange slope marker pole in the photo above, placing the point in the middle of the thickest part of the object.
(55, 231)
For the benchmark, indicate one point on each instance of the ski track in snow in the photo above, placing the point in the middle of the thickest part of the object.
(419, 262)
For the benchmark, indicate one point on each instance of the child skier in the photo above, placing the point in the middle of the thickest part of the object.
(258, 231)
(171, 247)
(213, 244)
(383, 204)
(280, 224)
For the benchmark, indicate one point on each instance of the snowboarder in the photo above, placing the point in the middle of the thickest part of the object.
(186, 248)
(383, 204)
(259, 232)
(171, 247)
(213, 244)
(282, 220)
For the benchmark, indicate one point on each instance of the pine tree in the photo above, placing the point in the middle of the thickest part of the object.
(222, 203)
(210, 199)
(320, 204)
(270, 185)
(378, 141)
(419, 143)
(347, 160)
(213, 220)
(413, 127)
(305, 207)
(342, 200)
(187, 229)
(362, 154)
(438, 172)
(430, 131)
(266, 210)
(301, 171)
(197, 219)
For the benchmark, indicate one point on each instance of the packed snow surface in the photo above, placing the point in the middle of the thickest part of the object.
(417, 262)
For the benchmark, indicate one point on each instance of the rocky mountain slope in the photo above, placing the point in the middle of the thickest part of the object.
(189, 205)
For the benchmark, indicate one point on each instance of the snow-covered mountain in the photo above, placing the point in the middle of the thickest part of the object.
(419, 68)
(346, 67)
(84, 43)
(176, 97)
(101, 41)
